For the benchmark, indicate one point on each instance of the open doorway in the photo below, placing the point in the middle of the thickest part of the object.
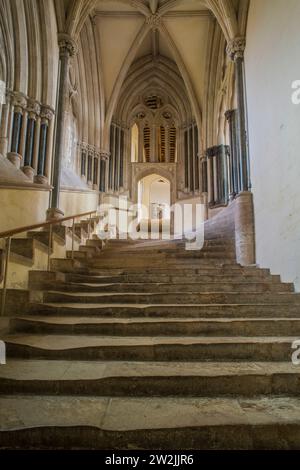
(154, 197)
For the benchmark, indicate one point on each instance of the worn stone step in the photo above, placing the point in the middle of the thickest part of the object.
(149, 423)
(136, 348)
(149, 378)
(183, 270)
(150, 326)
(65, 265)
(90, 250)
(169, 278)
(144, 287)
(168, 251)
(174, 297)
(257, 310)
(152, 261)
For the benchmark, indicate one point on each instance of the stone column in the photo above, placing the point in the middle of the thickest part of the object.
(244, 229)
(19, 103)
(23, 134)
(112, 158)
(235, 50)
(67, 49)
(90, 166)
(4, 129)
(36, 144)
(96, 169)
(33, 110)
(44, 155)
(49, 114)
(117, 158)
(83, 152)
(104, 156)
(122, 151)
(244, 212)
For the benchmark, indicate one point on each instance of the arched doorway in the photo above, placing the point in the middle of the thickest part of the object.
(154, 197)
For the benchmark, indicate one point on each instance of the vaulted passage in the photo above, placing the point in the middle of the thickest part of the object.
(149, 201)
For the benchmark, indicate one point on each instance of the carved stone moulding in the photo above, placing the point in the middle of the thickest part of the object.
(40, 179)
(15, 159)
(29, 172)
(104, 155)
(236, 47)
(154, 21)
(47, 112)
(217, 150)
(33, 108)
(67, 45)
(19, 101)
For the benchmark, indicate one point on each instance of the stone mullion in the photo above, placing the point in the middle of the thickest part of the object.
(167, 143)
(153, 144)
(141, 143)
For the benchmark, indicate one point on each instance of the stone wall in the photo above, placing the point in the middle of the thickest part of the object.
(271, 66)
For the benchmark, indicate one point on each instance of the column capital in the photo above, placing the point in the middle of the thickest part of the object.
(104, 155)
(83, 146)
(33, 108)
(19, 101)
(91, 150)
(235, 48)
(67, 45)
(47, 112)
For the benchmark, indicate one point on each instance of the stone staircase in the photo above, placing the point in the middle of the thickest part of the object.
(144, 345)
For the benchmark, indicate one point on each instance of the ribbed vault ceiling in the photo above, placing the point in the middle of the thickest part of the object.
(182, 35)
